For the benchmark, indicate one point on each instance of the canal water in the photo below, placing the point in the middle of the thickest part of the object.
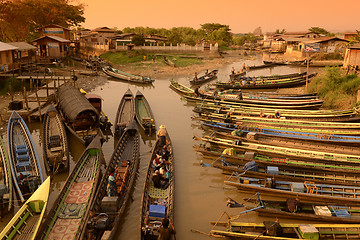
(200, 195)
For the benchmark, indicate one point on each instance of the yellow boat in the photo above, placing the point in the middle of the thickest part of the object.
(26, 221)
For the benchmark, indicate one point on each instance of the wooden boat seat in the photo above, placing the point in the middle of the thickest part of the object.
(22, 157)
(340, 211)
(54, 141)
(56, 149)
(322, 210)
(23, 165)
(20, 149)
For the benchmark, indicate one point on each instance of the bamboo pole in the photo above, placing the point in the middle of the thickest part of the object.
(38, 101)
(10, 90)
(27, 105)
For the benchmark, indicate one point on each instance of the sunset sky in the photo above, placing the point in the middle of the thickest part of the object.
(242, 16)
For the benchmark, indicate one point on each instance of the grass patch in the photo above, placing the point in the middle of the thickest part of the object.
(336, 88)
(184, 62)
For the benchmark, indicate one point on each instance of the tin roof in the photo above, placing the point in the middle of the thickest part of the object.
(56, 38)
(6, 47)
(22, 45)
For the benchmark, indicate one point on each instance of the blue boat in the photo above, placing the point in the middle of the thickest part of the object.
(25, 165)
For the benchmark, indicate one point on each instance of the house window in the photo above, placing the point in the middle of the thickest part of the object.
(61, 48)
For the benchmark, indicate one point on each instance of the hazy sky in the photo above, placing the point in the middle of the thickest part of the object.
(241, 15)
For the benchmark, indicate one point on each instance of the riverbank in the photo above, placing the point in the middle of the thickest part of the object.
(156, 70)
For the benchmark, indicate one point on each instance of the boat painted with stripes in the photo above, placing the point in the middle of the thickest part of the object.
(108, 206)
(6, 183)
(125, 113)
(26, 222)
(25, 166)
(118, 74)
(66, 219)
(144, 114)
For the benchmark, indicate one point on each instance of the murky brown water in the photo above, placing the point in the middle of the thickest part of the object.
(200, 194)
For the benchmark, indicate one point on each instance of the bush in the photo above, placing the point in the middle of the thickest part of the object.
(15, 85)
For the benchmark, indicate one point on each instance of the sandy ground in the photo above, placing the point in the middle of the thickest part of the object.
(153, 69)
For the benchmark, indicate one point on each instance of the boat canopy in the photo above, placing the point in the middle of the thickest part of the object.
(73, 104)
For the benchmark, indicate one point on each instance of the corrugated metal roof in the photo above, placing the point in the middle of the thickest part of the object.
(6, 47)
(73, 102)
(22, 45)
(355, 46)
(56, 38)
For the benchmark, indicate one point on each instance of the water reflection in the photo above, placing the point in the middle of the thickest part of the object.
(200, 194)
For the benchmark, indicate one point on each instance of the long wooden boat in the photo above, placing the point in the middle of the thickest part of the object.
(169, 62)
(157, 203)
(306, 191)
(294, 153)
(258, 104)
(240, 157)
(107, 206)
(66, 218)
(308, 211)
(237, 75)
(125, 113)
(182, 89)
(289, 173)
(55, 144)
(280, 76)
(80, 117)
(116, 73)
(6, 183)
(284, 134)
(26, 222)
(289, 231)
(143, 113)
(25, 165)
(254, 67)
(205, 78)
(269, 84)
(311, 115)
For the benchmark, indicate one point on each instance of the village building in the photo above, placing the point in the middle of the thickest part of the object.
(54, 41)
(25, 53)
(350, 35)
(324, 45)
(7, 57)
(125, 39)
(352, 57)
(99, 39)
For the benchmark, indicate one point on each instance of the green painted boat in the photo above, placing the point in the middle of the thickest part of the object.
(181, 88)
(66, 218)
(6, 183)
(289, 231)
(143, 113)
(26, 222)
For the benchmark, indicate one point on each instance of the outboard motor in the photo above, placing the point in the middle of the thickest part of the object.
(102, 222)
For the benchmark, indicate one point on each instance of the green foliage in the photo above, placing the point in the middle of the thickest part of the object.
(20, 19)
(138, 40)
(338, 90)
(319, 30)
(126, 57)
(278, 31)
(184, 62)
(242, 39)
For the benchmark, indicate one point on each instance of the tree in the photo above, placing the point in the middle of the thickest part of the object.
(319, 30)
(278, 31)
(257, 31)
(217, 32)
(138, 40)
(355, 39)
(19, 19)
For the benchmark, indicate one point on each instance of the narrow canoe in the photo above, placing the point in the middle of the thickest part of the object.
(309, 211)
(157, 203)
(306, 191)
(66, 218)
(26, 222)
(125, 113)
(169, 62)
(290, 231)
(143, 113)
(55, 144)
(181, 88)
(109, 207)
(25, 165)
(116, 73)
(205, 78)
(6, 183)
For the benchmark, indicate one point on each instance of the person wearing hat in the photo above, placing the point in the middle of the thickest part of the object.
(157, 179)
(111, 187)
(161, 134)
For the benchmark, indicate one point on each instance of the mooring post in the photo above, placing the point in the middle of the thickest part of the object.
(38, 101)
(27, 104)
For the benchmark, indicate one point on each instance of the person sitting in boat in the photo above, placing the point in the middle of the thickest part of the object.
(277, 114)
(240, 96)
(254, 80)
(157, 162)
(158, 179)
(161, 134)
(165, 154)
(293, 205)
(243, 82)
(244, 67)
(164, 173)
(165, 233)
(111, 187)
(233, 70)
(262, 114)
(206, 71)
(196, 92)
